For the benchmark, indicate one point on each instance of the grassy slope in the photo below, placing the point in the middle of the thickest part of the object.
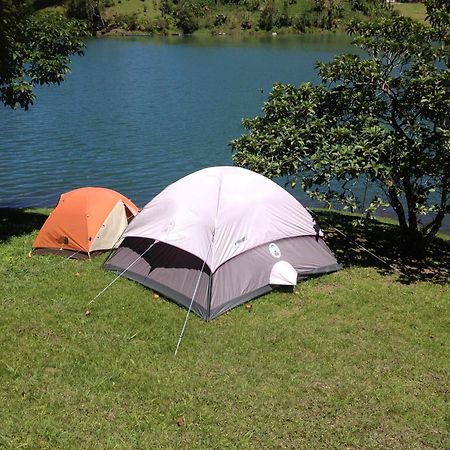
(148, 12)
(416, 11)
(147, 16)
(356, 359)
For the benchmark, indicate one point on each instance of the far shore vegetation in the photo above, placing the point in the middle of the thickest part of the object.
(223, 17)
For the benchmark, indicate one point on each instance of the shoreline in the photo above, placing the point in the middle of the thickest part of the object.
(237, 33)
(444, 230)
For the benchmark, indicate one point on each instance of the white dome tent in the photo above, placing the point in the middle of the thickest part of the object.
(220, 237)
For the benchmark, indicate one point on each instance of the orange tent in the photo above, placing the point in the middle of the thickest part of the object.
(85, 222)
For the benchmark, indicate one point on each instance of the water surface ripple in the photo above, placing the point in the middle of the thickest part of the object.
(137, 114)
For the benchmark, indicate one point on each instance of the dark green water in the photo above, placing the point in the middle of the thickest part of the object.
(136, 114)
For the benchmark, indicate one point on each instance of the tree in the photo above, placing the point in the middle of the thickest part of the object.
(439, 17)
(88, 10)
(268, 16)
(35, 49)
(186, 17)
(382, 119)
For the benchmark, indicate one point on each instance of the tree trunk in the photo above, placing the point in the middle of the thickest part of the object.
(414, 233)
(433, 227)
(398, 208)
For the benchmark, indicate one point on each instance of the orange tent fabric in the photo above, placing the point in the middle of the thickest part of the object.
(81, 217)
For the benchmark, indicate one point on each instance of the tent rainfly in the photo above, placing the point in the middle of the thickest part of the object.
(220, 237)
(85, 222)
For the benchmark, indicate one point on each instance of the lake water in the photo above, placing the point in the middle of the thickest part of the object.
(138, 113)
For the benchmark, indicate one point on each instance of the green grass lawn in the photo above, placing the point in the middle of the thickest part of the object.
(355, 359)
(142, 8)
(416, 11)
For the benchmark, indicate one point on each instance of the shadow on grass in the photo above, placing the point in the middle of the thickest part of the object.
(17, 222)
(415, 262)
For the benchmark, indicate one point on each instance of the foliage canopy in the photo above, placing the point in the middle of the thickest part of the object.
(35, 49)
(88, 10)
(383, 118)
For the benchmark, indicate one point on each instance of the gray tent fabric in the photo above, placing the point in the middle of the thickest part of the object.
(246, 237)
(165, 269)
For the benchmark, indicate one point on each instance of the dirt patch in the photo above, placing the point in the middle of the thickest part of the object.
(113, 32)
(53, 370)
(290, 311)
(118, 31)
(326, 288)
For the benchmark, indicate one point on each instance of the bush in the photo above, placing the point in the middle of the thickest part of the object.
(251, 5)
(127, 21)
(300, 24)
(284, 19)
(326, 19)
(371, 7)
(166, 7)
(147, 25)
(187, 19)
(319, 5)
(268, 17)
(162, 24)
(220, 20)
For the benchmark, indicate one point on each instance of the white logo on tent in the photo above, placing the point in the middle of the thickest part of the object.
(274, 250)
(169, 227)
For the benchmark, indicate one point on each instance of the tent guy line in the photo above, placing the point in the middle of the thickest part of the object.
(121, 273)
(193, 296)
(395, 269)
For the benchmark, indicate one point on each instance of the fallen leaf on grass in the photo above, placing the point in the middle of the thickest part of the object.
(181, 422)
